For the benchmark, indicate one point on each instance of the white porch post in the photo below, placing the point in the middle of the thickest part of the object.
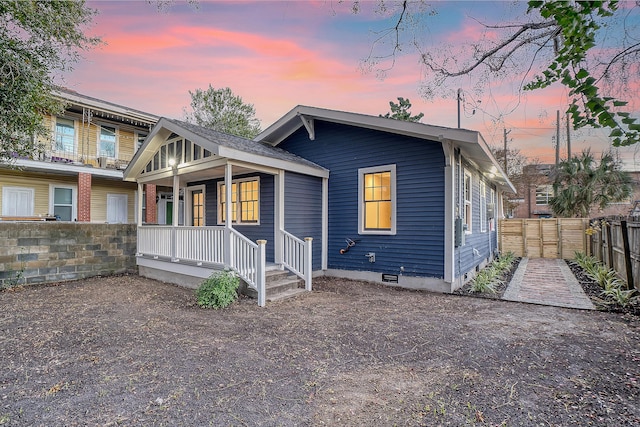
(325, 224)
(308, 264)
(176, 210)
(228, 177)
(140, 200)
(261, 273)
(278, 246)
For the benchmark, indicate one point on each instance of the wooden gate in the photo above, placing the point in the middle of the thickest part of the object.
(544, 238)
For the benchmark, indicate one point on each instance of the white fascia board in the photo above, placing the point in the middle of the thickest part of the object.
(67, 169)
(272, 162)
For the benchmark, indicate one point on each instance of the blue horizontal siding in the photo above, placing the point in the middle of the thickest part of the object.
(303, 210)
(418, 245)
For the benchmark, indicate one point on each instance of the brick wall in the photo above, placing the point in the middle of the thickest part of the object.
(152, 215)
(44, 252)
(84, 197)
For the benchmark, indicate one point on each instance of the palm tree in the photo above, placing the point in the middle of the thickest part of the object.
(581, 184)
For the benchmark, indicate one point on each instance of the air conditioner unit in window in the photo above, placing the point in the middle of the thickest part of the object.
(102, 162)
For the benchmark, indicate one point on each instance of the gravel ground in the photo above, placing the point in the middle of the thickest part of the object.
(129, 351)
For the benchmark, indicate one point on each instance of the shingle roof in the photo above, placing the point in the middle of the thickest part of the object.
(242, 144)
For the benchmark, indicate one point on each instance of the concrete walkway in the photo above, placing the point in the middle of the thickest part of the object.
(548, 282)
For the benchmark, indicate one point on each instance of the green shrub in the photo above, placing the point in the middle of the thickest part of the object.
(485, 281)
(219, 290)
(616, 295)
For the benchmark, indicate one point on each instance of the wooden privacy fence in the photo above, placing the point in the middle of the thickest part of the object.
(544, 238)
(616, 243)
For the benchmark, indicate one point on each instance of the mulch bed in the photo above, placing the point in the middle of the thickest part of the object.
(501, 286)
(594, 292)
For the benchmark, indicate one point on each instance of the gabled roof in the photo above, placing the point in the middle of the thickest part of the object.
(221, 145)
(471, 143)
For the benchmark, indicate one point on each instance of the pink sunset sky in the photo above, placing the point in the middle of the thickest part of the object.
(277, 55)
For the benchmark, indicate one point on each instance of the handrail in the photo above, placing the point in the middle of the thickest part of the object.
(297, 256)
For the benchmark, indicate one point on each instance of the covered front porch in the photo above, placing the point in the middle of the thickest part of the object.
(203, 169)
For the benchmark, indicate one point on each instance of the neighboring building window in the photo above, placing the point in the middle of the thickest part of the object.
(65, 135)
(140, 137)
(377, 200)
(245, 201)
(196, 206)
(107, 142)
(468, 196)
(543, 194)
(62, 202)
(117, 208)
(483, 206)
(17, 201)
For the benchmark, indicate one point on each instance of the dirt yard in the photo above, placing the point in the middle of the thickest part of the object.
(134, 352)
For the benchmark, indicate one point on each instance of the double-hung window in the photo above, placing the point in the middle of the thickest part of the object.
(483, 206)
(107, 141)
(377, 200)
(245, 201)
(468, 199)
(65, 135)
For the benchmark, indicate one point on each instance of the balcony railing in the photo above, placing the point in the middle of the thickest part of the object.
(52, 155)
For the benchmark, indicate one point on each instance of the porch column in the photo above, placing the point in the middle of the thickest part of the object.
(278, 245)
(176, 198)
(228, 177)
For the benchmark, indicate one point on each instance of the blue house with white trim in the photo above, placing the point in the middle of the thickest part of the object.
(322, 192)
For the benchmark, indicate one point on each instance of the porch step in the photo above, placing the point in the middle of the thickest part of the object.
(279, 285)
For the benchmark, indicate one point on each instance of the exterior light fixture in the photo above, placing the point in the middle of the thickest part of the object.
(172, 162)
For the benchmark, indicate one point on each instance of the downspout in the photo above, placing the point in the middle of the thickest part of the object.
(449, 212)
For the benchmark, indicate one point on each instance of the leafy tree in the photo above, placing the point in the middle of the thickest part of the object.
(221, 110)
(555, 41)
(37, 40)
(581, 183)
(400, 111)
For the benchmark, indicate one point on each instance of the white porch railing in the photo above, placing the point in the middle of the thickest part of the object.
(297, 256)
(203, 244)
(207, 245)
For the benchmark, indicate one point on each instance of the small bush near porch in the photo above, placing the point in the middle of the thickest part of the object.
(136, 352)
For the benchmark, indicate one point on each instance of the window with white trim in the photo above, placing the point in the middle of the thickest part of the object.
(543, 194)
(468, 199)
(65, 135)
(196, 205)
(17, 201)
(107, 141)
(245, 201)
(62, 202)
(140, 137)
(377, 200)
(117, 208)
(483, 206)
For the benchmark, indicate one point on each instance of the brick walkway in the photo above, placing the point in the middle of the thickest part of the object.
(547, 282)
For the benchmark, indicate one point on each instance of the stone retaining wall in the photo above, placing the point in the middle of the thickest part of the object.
(45, 252)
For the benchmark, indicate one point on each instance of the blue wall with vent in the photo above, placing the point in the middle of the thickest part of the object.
(418, 245)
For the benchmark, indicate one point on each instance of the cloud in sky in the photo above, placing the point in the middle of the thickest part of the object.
(280, 54)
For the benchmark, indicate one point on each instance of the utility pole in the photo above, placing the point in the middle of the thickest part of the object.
(459, 94)
(557, 137)
(505, 150)
(568, 138)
